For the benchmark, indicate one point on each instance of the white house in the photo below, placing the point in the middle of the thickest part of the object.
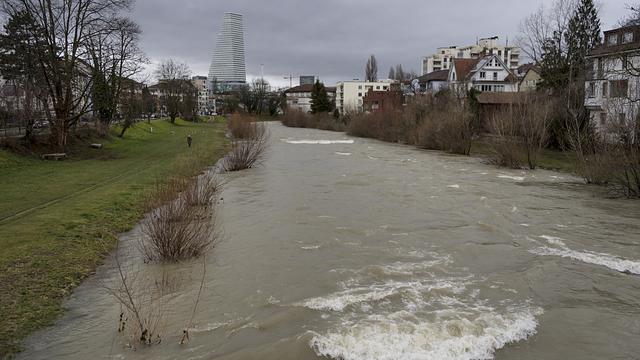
(350, 94)
(486, 74)
(299, 97)
(443, 58)
(613, 82)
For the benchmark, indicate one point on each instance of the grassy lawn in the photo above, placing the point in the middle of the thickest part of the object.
(58, 218)
(549, 159)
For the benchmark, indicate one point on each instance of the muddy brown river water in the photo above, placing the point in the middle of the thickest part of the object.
(350, 248)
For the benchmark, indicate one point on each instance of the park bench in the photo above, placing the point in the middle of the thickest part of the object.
(54, 156)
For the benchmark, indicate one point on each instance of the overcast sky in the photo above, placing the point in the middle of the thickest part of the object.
(332, 38)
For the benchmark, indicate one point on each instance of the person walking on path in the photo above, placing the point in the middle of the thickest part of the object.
(189, 140)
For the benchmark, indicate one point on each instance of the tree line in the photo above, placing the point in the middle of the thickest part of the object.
(67, 61)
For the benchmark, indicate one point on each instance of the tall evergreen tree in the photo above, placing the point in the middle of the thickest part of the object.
(392, 73)
(582, 35)
(554, 65)
(319, 99)
(371, 69)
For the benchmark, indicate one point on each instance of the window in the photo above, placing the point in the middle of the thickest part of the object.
(486, 88)
(605, 89)
(591, 89)
(619, 88)
(359, 87)
(627, 37)
(498, 88)
(378, 87)
(495, 76)
(385, 87)
(460, 54)
(359, 94)
(612, 40)
(483, 75)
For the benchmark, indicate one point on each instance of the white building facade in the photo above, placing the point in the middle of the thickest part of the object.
(444, 56)
(228, 62)
(202, 85)
(350, 94)
(612, 88)
(488, 74)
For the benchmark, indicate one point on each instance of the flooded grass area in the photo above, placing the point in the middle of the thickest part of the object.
(59, 219)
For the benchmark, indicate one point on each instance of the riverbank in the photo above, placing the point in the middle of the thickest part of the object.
(480, 147)
(59, 219)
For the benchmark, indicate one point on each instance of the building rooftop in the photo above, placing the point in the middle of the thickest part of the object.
(307, 88)
(616, 41)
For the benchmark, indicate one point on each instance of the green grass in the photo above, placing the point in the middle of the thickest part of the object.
(58, 218)
(549, 159)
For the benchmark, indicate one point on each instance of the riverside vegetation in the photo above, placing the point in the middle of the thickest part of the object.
(180, 226)
(58, 219)
(517, 136)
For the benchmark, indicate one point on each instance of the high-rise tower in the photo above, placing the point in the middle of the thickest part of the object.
(227, 63)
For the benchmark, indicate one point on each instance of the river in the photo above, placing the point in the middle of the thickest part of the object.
(352, 249)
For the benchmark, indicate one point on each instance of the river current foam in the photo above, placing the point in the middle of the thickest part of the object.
(427, 316)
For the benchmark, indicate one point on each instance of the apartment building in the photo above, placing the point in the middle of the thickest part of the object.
(201, 84)
(613, 79)
(444, 56)
(350, 94)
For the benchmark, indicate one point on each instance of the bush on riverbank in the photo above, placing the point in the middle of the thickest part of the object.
(249, 151)
(322, 121)
(436, 123)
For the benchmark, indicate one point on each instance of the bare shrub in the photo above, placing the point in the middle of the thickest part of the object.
(322, 121)
(181, 219)
(614, 159)
(381, 125)
(177, 231)
(506, 147)
(534, 117)
(248, 153)
(143, 307)
(443, 123)
(242, 126)
(203, 190)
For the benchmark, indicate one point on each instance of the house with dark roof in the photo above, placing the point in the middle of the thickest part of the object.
(613, 79)
(299, 97)
(486, 74)
(434, 81)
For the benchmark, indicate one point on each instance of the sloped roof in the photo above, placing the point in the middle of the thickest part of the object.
(307, 88)
(464, 67)
(440, 75)
(524, 68)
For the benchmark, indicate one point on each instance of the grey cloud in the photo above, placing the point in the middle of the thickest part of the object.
(331, 38)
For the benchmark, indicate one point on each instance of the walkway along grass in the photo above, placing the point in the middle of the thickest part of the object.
(57, 219)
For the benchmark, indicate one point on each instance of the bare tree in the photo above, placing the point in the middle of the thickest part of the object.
(371, 69)
(115, 58)
(633, 18)
(392, 73)
(173, 78)
(65, 29)
(537, 28)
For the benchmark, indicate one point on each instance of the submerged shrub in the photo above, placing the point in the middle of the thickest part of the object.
(247, 153)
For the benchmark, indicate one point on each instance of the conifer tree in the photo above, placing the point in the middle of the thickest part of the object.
(583, 35)
(319, 99)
